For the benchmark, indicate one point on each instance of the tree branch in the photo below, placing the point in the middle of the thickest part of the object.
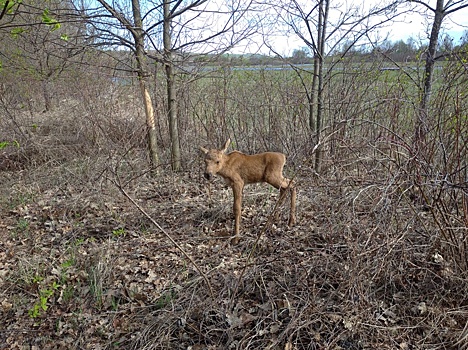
(422, 3)
(119, 16)
(455, 9)
(121, 189)
(5, 7)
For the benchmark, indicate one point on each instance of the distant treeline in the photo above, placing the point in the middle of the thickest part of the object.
(398, 51)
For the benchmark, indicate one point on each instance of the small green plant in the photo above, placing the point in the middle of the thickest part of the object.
(5, 144)
(120, 232)
(78, 242)
(15, 32)
(44, 296)
(22, 225)
(37, 279)
(47, 290)
(165, 299)
(48, 20)
(66, 264)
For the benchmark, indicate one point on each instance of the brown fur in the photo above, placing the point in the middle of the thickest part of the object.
(239, 169)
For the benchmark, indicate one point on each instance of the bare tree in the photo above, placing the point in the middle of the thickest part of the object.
(39, 44)
(310, 21)
(134, 26)
(317, 79)
(171, 91)
(441, 11)
(191, 27)
(168, 32)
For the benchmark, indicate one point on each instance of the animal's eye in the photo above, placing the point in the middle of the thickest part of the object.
(217, 162)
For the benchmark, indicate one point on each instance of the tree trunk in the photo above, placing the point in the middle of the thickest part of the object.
(171, 89)
(321, 37)
(150, 123)
(46, 94)
(139, 37)
(313, 98)
(422, 121)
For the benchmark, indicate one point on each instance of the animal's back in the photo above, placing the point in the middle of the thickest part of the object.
(256, 167)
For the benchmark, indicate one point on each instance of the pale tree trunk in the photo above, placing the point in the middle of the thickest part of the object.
(136, 29)
(171, 89)
(138, 35)
(150, 123)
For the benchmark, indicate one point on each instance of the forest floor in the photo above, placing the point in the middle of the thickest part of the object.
(81, 267)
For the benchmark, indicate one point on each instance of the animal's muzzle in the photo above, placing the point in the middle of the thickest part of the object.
(208, 176)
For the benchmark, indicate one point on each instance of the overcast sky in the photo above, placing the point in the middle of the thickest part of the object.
(416, 25)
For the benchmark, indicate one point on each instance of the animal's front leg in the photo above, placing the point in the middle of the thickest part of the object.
(237, 208)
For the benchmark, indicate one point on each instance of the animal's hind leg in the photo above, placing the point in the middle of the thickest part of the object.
(286, 185)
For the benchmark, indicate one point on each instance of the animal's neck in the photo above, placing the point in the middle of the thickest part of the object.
(231, 163)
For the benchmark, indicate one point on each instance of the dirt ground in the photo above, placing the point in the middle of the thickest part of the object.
(81, 267)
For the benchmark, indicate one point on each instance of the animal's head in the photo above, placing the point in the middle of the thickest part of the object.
(214, 159)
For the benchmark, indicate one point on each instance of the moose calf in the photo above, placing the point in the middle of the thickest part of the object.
(239, 169)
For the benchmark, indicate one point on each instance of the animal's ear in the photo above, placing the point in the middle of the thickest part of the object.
(204, 150)
(226, 145)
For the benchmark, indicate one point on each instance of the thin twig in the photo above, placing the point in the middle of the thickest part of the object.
(121, 189)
